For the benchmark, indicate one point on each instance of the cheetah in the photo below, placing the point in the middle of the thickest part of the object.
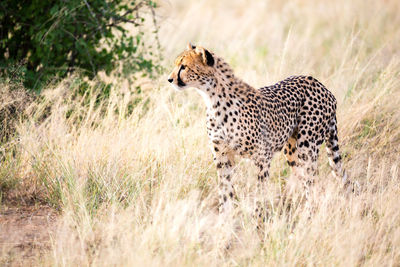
(297, 115)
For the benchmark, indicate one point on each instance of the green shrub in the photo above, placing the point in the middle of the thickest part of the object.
(53, 38)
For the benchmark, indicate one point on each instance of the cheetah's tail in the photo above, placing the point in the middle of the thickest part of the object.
(335, 159)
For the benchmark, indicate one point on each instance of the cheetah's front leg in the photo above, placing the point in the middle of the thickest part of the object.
(224, 160)
(263, 163)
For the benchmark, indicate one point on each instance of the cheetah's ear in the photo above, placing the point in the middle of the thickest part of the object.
(206, 56)
(189, 46)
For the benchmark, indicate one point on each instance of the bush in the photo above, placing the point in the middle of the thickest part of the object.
(53, 38)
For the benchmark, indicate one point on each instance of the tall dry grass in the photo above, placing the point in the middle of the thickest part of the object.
(137, 186)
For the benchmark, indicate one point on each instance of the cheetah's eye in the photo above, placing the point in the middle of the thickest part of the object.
(183, 67)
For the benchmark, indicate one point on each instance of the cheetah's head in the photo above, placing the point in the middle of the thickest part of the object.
(193, 68)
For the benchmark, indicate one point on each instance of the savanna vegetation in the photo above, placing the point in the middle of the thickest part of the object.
(123, 165)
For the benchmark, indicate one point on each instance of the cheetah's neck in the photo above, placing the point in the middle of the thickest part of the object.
(225, 88)
(224, 96)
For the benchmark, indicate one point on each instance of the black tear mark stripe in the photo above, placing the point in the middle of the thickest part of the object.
(180, 82)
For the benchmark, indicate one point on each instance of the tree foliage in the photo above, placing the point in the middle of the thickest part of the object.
(55, 37)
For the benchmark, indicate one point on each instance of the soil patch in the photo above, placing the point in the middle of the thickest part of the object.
(25, 233)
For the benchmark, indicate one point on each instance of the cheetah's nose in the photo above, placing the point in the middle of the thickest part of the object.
(170, 80)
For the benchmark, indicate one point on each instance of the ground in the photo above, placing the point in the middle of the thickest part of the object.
(25, 232)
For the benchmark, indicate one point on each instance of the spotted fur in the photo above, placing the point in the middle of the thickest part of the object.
(297, 115)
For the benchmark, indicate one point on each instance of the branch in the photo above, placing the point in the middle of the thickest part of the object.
(89, 56)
